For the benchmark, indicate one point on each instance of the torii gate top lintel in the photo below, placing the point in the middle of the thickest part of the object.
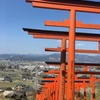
(62, 34)
(84, 2)
(78, 5)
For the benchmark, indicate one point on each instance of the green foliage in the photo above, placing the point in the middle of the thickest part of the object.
(9, 88)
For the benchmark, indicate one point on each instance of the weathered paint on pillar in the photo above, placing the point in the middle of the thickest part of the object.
(57, 90)
(71, 56)
(62, 71)
(93, 88)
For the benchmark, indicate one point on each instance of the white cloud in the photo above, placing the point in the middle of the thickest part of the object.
(67, 42)
(80, 44)
(59, 42)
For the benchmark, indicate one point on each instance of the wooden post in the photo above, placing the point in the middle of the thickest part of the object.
(62, 71)
(71, 56)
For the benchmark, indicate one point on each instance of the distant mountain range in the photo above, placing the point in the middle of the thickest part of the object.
(52, 57)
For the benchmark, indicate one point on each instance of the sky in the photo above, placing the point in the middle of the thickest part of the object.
(18, 14)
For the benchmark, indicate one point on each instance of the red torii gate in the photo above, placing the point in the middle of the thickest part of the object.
(78, 85)
(48, 34)
(73, 6)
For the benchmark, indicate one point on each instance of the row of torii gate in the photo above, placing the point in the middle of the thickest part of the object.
(64, 85)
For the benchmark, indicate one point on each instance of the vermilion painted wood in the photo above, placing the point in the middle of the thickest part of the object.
(76, 72)
(77, 50)
(93, 87)
(82, 85)
(48, 34)
(72, 7)
(85, 85)
(66, 23)
(62, 70)
(78, 85)
(76, 64)
(71, 56)
(93, 8)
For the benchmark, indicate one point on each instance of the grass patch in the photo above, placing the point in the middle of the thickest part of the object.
(16, 77)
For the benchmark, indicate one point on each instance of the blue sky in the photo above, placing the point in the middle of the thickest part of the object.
(17, 14)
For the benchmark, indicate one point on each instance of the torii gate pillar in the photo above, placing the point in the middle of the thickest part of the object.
(71, 56)
(62, 71)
